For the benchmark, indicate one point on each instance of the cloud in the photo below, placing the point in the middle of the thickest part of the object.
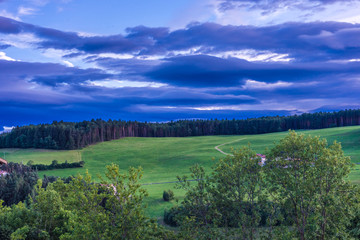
(255, 85)
(207, 71)
(218, 69)
(4, 46)
(67, 63)
(25, 114)
(282, 39)
(347, 38)
(24, 82)
(5, 128)
(272, 5)
(26, 11)
(113, 83)
(290, 41)
(46, 84)
(4, 57)
(7, 14)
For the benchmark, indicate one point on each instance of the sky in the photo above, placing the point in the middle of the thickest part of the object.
(164, 60)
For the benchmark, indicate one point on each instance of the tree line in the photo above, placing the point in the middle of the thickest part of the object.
(76, 135)
(55, 165)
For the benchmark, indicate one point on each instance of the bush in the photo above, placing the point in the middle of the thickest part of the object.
(168, 195)
(55, 165)
(170, 216)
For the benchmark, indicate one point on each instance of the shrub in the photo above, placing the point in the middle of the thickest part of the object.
(170, 216)
(168, 195)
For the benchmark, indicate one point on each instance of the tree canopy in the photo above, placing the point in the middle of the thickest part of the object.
(302, 192)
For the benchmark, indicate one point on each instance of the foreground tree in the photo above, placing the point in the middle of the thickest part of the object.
(113, 209)
(310, 176)
(83, 209)
(228, 199)
(301, 193)
(238, 187)
(18, 185)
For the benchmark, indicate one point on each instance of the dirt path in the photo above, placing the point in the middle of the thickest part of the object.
(221, 151)
(154, 183)
(191, 180)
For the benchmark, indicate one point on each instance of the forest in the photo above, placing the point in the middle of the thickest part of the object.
(77, 135)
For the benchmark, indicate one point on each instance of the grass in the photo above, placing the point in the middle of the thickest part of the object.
(39, 156)
(162, 159)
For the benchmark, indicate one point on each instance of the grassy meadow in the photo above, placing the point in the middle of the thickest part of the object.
(162, 159)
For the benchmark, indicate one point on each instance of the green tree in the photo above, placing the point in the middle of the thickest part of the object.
(168, 195)
(51, 217)
(197, 201)
(14, 218)
(311, 176)
(83, 209)
(113, 209)
(230, 198)
(237, 189)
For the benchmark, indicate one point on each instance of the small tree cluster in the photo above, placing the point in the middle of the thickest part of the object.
(302, 192)
(83, 209)
(18, 185)
(55, 165)
(168, 195)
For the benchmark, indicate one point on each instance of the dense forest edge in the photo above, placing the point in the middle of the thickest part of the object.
(75, 135)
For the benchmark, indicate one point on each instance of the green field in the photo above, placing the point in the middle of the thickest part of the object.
(162, 159)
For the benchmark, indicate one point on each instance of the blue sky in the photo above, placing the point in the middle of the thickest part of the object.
(165, 60)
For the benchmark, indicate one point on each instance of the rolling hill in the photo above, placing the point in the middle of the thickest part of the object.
(162, 159)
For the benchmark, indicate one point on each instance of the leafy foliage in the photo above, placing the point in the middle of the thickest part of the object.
(18, 184)
(81, 208)
(311, 176)
(55, 165)
(302, 192)
(230, 197)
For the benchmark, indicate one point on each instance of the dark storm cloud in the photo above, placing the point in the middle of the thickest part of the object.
(74, 77)
(74, 88)
(302, 41)
(4, 46)
(49, 74)
(144, 104)
(25, 69)
(338, 40)
(174, 97)
(133, 66)
(56, 39)
(287, 38)
(207, 71)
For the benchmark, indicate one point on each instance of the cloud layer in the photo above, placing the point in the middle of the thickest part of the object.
(202, 70)
(271, 5)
